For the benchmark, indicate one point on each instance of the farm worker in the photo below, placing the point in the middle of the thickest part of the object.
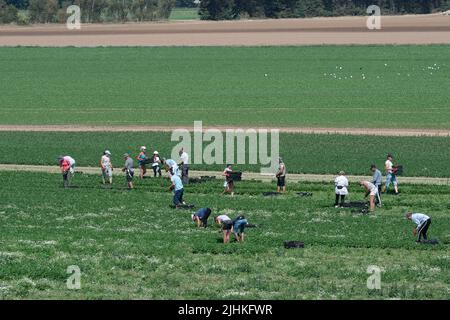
(372, 190)
(229, 183)
(184, 164)
(281, 176)
(201, 217)
(239, 225)
(177, 187)
(107, 167)
(72, 164)
(128, 168)
(422, 221)
(170, 164)
(64, 164)
(390, 174)
(225, 222)
(376, 180)
(341, 185)
(142, 160)
(156, 165)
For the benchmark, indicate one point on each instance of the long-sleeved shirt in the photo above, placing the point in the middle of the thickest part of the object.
(419, 218)
(376, 180)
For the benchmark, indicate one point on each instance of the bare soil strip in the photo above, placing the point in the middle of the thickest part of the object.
(307, 130)
(410, 29)
(245, 175)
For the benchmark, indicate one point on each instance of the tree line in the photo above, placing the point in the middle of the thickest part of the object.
(234, 9)
(47, 11)
(55, 11)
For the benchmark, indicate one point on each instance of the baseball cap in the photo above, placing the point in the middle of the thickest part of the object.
(107, 152)
(156, 152)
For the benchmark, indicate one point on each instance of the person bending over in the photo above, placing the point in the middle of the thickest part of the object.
(376, 180)
(239, 225)
(371, 190)
(423, 222)
(225, 222)
(64, 165)
(201, 217)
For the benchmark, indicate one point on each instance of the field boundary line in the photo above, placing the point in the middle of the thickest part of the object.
(245, 176)
(306, 130)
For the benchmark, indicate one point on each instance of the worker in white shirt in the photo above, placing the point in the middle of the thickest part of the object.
(171, 165)
(72, 164)
(341, 189)
(107, 167)
(156, 164)
(184, 165)
(423, 223)
(371, 190)
(226, 224)
(390, 175)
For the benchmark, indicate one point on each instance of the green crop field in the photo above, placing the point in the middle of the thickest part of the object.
(184, 14)
(130, 244)
(303, 153)
(332, 86)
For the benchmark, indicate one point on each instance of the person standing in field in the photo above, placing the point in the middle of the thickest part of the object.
(142, 162)
(128, 168)
(156, 164)
(390, 175)
(341, 189)
(184, 164)
(177, 188)
(376, 180)
(281, 176)
(64, 164)
(371, 190)
(423, 222)
(229, 183)
(107, 167)
(226, 224)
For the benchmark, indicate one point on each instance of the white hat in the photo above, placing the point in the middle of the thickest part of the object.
(107, 152)
(143, 148)
(156, 152)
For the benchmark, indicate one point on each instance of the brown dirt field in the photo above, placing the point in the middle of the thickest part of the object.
(410, 29)
(346, 131)
(245, 175)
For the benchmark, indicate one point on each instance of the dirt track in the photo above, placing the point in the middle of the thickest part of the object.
(245, 175)
(346, 131)
(424, 29)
